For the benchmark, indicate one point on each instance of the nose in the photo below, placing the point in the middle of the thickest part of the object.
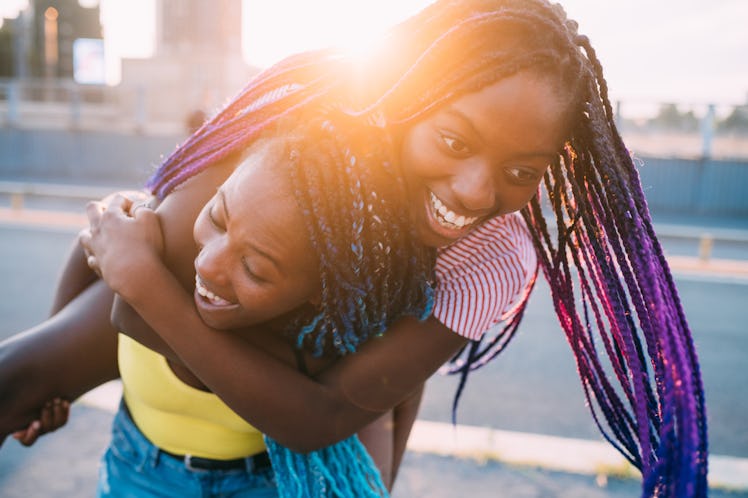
(473, 187)
(211, 261)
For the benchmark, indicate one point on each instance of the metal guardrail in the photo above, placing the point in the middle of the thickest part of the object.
(18, 191)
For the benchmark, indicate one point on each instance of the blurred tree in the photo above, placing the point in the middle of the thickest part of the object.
(670, 117)
(737, 120)
(6, 49)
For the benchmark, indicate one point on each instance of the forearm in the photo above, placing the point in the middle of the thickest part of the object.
(270, 394)
(75, 277)
(127, 321)
(260, 388)
(65, 356)
(404, 417)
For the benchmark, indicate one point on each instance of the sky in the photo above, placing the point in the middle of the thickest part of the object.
(691, 51)
(694, 51)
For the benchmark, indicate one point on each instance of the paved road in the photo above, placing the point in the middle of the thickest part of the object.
(533, 388)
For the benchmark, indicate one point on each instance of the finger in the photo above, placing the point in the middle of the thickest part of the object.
(46, 418)
(119, 203)
(136, 206)
(144, 206)
(60, 413)
(137, 195)
(28, 436)
(94, 210)
(93, 264)
(133, 195)
(84, 239)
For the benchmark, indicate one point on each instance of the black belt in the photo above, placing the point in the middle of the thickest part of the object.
(259, 461)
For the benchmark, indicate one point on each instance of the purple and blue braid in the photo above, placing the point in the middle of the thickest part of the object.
(611, 286)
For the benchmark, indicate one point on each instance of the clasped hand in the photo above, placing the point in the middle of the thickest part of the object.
(123, 238)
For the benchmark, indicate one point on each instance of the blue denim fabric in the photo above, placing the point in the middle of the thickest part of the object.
(133, 467)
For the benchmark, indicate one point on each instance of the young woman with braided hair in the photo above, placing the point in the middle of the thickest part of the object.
(253, 240)
(475, 100)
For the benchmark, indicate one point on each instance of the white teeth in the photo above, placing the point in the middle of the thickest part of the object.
(210, 296)
(448, 218)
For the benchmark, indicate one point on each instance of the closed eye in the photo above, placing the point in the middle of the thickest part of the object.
(213, 220)
(251, 273)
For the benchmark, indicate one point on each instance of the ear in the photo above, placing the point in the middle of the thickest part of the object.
(316, 299)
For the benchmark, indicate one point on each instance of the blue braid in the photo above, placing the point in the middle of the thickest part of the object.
(342, 470)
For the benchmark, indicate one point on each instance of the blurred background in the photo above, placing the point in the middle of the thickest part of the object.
(132, 78)
(94, 93)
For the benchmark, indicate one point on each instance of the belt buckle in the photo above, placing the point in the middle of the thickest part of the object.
(188, 464)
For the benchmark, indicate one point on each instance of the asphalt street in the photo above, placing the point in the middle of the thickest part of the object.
(532, 387)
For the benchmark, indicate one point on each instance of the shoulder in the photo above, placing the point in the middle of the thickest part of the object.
(483, 277)
(503, 241)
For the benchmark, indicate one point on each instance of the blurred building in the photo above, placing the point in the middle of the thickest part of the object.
(39, 42)
(197, 64)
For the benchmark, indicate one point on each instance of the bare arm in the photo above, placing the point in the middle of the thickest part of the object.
(259, 387)
(75, 278)
(271, 395)
(267, 392)
(70, 353)
(64, 356)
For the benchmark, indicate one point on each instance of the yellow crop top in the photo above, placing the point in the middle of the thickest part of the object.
(176, 417)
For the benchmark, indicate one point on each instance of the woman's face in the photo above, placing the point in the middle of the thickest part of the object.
(481, 155)
(256, 262)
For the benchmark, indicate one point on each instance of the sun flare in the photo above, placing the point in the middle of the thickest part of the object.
(273, 30)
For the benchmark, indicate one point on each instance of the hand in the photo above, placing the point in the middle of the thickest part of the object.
(53, 416)
(122, 240)
(136, 197)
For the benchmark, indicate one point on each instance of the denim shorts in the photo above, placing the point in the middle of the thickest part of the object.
(133, 467)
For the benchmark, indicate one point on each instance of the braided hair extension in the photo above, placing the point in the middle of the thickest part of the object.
(611, 286)
(373, 267)
(373, 270)
(606, 253)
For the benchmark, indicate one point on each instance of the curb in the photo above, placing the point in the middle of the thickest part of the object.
(481, 444)
(574, 456)
(43, 218)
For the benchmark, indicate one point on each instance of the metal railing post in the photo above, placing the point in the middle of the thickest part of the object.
(14, 103)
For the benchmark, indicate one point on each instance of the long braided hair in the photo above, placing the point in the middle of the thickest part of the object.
(373, 268)
(611, 286)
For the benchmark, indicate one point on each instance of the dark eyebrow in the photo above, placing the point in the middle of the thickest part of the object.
(456, 113)
(453, 111)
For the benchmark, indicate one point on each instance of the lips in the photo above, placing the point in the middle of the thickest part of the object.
(444, 226)
(208, 296)
(448, 218)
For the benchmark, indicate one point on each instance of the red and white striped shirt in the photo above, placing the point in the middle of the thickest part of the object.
(482, 277)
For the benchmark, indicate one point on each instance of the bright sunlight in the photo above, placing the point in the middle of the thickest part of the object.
(273, 30)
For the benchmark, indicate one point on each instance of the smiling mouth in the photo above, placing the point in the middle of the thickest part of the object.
(448, 218)
(208, 295)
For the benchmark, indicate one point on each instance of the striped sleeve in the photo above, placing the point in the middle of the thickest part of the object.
(482, 277)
